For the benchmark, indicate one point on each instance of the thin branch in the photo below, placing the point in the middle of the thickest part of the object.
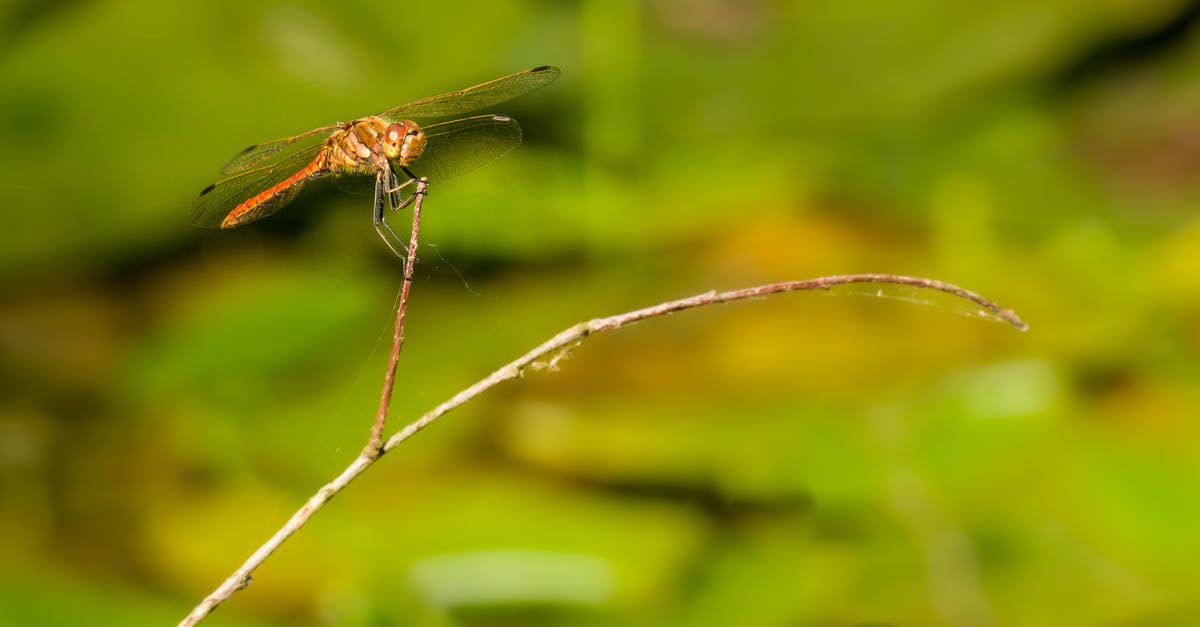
(547, 355)
(556, 347)
(373, 448)
(242, 576)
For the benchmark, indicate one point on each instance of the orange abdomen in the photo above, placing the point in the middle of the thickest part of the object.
(245, 210)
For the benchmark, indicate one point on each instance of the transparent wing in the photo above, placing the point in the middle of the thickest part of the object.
(259, 153)
(474, 98)
(215, 202)
(354, 181)
(457, 147)
(445, 105)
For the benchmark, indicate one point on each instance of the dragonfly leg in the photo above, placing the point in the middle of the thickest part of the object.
(397, 204)
(385, 230)
(394, 187)
(383, 197)
(422, 188)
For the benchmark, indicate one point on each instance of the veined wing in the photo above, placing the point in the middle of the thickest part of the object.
(474, 98)
(259, 153)
(445, 105)
(257, 192)
(457, 147)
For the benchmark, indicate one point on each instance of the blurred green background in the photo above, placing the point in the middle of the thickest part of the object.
(169, 395)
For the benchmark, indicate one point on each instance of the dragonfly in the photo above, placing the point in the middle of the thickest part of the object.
(422, 140)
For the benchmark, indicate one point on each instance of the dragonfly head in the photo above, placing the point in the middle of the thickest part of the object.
(403, 142)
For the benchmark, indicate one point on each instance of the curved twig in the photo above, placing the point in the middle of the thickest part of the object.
(546, 355)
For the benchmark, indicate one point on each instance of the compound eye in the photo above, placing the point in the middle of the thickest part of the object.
(395, 133)
(393, 138)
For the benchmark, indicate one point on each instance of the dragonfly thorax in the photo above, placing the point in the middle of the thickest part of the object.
(358, 144)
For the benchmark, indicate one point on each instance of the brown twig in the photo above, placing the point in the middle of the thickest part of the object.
(374, 448)
(556, 347)
(547, 355)
(241, 577)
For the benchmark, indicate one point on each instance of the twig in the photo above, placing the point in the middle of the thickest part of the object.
(556, 347)
(241, 577)
(547, 355)
(373, 448)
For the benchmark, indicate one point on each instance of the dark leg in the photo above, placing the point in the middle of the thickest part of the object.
(383, 197)
(396, 186)
(394, 190)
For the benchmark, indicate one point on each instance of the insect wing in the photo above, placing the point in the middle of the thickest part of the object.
(354, 181)
(457, 147)
(215, 202)
(259, 154)
(474, 98)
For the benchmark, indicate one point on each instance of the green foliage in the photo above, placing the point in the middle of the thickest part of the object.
(168, 395)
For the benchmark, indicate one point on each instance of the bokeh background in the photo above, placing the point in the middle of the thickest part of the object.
(169, 395)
